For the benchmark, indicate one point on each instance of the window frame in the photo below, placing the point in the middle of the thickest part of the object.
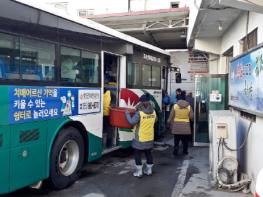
(246, 43)
(140, 74)
(160, 77)
(88, 12)
(20, 73)
(145, 86)
(25, 82)
(140, 85)
(18, 38)
(99, 64)
(57, 63)
(79, 84)
(174, 4)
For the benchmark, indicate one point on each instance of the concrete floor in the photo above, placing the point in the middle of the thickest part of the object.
(111, 176)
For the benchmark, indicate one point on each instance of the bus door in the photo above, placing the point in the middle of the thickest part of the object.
(111, 73)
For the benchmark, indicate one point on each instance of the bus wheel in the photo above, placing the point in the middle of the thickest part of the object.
(67, 158)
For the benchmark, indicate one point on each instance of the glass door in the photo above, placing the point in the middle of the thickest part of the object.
(211, 93)
(201, 111)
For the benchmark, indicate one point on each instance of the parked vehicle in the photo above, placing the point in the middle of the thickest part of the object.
(53, 72)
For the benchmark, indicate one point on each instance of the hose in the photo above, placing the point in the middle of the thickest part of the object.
(243, 143)
(218, 149)
(234, 186)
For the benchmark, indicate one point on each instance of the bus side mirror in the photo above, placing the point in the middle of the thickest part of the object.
(178, 78)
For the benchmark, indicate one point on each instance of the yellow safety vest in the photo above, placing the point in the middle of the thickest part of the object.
(106, 103)
(181, 114)
(146, 130)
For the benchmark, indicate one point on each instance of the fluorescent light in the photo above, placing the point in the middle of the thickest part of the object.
(220, 26)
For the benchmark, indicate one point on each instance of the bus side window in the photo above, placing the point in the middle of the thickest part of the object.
(35, 55)
(89, 72)
(8, 54)
(12, 75)
(69, 60)
(31, 77)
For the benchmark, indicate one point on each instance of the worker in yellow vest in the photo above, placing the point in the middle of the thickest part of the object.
(143, 122)
(179, 121)
(108, 101)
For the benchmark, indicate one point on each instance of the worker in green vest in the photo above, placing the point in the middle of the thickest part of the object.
(143, 122)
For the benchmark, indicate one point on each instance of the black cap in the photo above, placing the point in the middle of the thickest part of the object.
(145, 97)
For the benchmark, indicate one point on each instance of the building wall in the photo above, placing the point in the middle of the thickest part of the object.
(213, 64)
(250, 157)
(180, 59)
(99, 6)
(139, 5)
(210, 45)
(238, 30)
(107, 7)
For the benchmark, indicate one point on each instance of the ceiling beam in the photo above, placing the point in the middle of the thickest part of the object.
(251, 5)
(149, 36)
(141, 29)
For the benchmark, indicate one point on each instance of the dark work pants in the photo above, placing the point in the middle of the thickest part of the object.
(184, 139)
(107, 128)
(138, 156)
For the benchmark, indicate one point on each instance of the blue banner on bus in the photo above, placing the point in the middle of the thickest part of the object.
(29, 103)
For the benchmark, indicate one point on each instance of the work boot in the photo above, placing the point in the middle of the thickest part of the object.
(148, 169)
(138, 171)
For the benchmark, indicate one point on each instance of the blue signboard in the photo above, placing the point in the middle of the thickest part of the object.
(246, 82)
(36, 103)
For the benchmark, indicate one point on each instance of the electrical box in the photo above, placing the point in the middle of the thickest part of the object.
(221, 130)
(215, 96)
(222, 124)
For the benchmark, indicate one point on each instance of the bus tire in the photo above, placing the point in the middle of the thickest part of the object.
(67, 158)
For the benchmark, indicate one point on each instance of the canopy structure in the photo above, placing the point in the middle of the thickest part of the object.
(164, 28)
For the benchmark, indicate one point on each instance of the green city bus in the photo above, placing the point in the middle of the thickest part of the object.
(54, 69)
